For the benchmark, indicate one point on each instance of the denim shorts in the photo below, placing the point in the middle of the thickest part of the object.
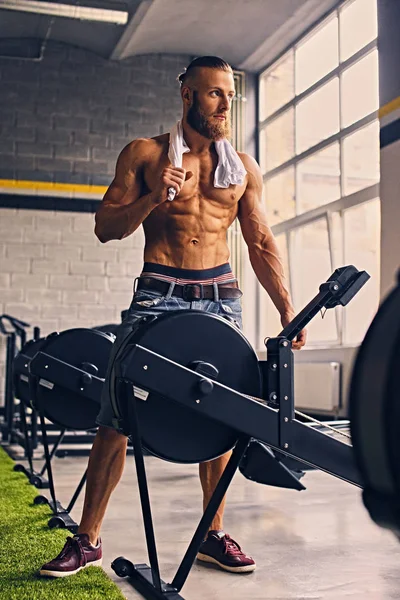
(146, 303)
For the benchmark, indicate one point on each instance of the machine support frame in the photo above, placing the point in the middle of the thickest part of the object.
(279, 390)
(143, 578)
(61, 516)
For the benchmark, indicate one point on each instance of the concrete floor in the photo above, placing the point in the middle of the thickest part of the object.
(316, 544)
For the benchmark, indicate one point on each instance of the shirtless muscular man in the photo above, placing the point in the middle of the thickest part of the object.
(185, 244)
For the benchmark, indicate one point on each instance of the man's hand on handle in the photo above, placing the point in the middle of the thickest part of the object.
(301, 338)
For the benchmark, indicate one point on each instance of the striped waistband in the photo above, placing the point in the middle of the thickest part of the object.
(221, 274)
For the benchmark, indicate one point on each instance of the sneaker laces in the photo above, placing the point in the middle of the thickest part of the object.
(73, 544)
(231, 546)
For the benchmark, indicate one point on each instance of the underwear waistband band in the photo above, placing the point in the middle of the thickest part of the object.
(220, 274)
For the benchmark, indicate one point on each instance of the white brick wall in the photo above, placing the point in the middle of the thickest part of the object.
(52, 260)
(13, 265)
(54, 273)
(44, 265)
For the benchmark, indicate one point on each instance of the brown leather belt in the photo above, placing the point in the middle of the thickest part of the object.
(191, 291)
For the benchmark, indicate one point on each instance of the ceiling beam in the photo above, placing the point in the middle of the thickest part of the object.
(120, 49)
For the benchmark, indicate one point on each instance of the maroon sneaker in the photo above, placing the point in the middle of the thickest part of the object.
(77, 554)
(219, 548)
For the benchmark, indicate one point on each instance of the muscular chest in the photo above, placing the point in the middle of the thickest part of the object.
(200, 186)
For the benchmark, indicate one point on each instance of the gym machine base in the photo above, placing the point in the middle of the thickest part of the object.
(187, 398)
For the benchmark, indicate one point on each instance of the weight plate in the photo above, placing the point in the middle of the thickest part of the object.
(63, 405)
(169, 430)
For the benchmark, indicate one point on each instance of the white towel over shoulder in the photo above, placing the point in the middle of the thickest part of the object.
(230, 169)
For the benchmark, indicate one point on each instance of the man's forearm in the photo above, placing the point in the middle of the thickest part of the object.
(115, 222)
(268, 268)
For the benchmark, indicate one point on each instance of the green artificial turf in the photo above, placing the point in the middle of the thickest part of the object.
(26, 542)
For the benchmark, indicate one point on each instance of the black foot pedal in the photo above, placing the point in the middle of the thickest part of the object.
(291, 463)
(260, 464)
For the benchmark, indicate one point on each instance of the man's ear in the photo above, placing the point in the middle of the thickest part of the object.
(186, 95)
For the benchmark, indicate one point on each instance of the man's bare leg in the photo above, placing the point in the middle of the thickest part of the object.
(106, 465)
(210, 473)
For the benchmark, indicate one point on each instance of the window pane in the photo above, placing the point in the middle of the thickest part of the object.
(310, 266)
(277, 86)
(270, 323)
(277, 141)
(358, 26)
(279, 197)
(317, 55)
(318, 179)
(360, 95)
(361, 159)
(362, 249)
(317, 116)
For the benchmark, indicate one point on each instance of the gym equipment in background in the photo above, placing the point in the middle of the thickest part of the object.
(20, 369)
(14, 427)
(374, 402)
(75, 407)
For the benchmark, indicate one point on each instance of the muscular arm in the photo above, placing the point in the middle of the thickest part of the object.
(263, 251)
(123, 208)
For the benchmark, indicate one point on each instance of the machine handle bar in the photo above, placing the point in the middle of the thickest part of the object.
(340, 288)
(17, 324)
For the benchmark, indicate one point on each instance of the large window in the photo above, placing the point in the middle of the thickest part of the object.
(319, 153)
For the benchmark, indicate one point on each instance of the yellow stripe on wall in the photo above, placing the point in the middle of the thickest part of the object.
(56, 187)
(391, 106)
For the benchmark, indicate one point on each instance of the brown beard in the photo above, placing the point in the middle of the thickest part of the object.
(206, 126)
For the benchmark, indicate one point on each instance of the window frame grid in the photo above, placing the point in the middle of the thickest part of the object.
(345, 201)
(333, 138)
(351, 200)
(367, 120)
(325, 79)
